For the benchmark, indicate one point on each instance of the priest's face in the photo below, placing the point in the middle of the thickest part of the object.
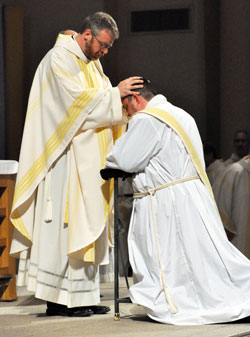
(130, 105)
(241, 144)
(98, 45)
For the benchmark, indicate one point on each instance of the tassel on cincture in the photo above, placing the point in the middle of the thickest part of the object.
(48, 211)
(171, 303)
(173, 307)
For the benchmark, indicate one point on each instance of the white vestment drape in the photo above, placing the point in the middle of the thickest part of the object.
(215, 171)
(232, 159)
(233, 199)
(207, 278)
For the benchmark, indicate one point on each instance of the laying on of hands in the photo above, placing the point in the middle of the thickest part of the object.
(128, 84)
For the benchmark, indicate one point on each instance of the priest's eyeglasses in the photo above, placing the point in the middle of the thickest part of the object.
(103, 45)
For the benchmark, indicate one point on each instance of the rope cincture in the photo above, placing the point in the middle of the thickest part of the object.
(151, 192)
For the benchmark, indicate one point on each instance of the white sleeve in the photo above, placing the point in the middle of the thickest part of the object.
(103, 105)
(135, 148)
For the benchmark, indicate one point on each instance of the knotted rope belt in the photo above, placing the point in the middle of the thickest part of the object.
(151, 192)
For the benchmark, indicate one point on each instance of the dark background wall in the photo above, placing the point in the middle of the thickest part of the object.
(234, 69)
(204, 69)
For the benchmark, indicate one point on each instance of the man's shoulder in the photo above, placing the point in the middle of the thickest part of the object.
(167, 109)
(234, 169)
(178, 112)
(141, 115)
(141, 118)
(245, 163)
(58, 57)
(216, 165)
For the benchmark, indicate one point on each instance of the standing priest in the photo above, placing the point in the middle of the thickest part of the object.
(61, 206)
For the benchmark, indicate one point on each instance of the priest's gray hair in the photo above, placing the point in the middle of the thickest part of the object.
(99, 21)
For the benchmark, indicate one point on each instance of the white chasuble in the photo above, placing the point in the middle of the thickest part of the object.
(61, 205)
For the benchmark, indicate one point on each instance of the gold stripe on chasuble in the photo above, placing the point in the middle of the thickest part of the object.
(90, 81)
(118, 131)
(107, 185)
(89, 253)
(36, 102)
(103, 135)
(89, 74)
(51, 145)
(170, 120)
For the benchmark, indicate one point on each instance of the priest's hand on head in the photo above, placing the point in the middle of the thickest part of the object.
(126, 86)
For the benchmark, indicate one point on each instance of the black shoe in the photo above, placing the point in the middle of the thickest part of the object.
(57, 312)
(98, 309)
(54, 309)
(69, 312)
(80, 312)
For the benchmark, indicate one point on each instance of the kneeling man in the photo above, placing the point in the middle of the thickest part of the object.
(187, 271)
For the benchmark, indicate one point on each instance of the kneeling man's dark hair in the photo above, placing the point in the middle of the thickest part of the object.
(147, 92)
